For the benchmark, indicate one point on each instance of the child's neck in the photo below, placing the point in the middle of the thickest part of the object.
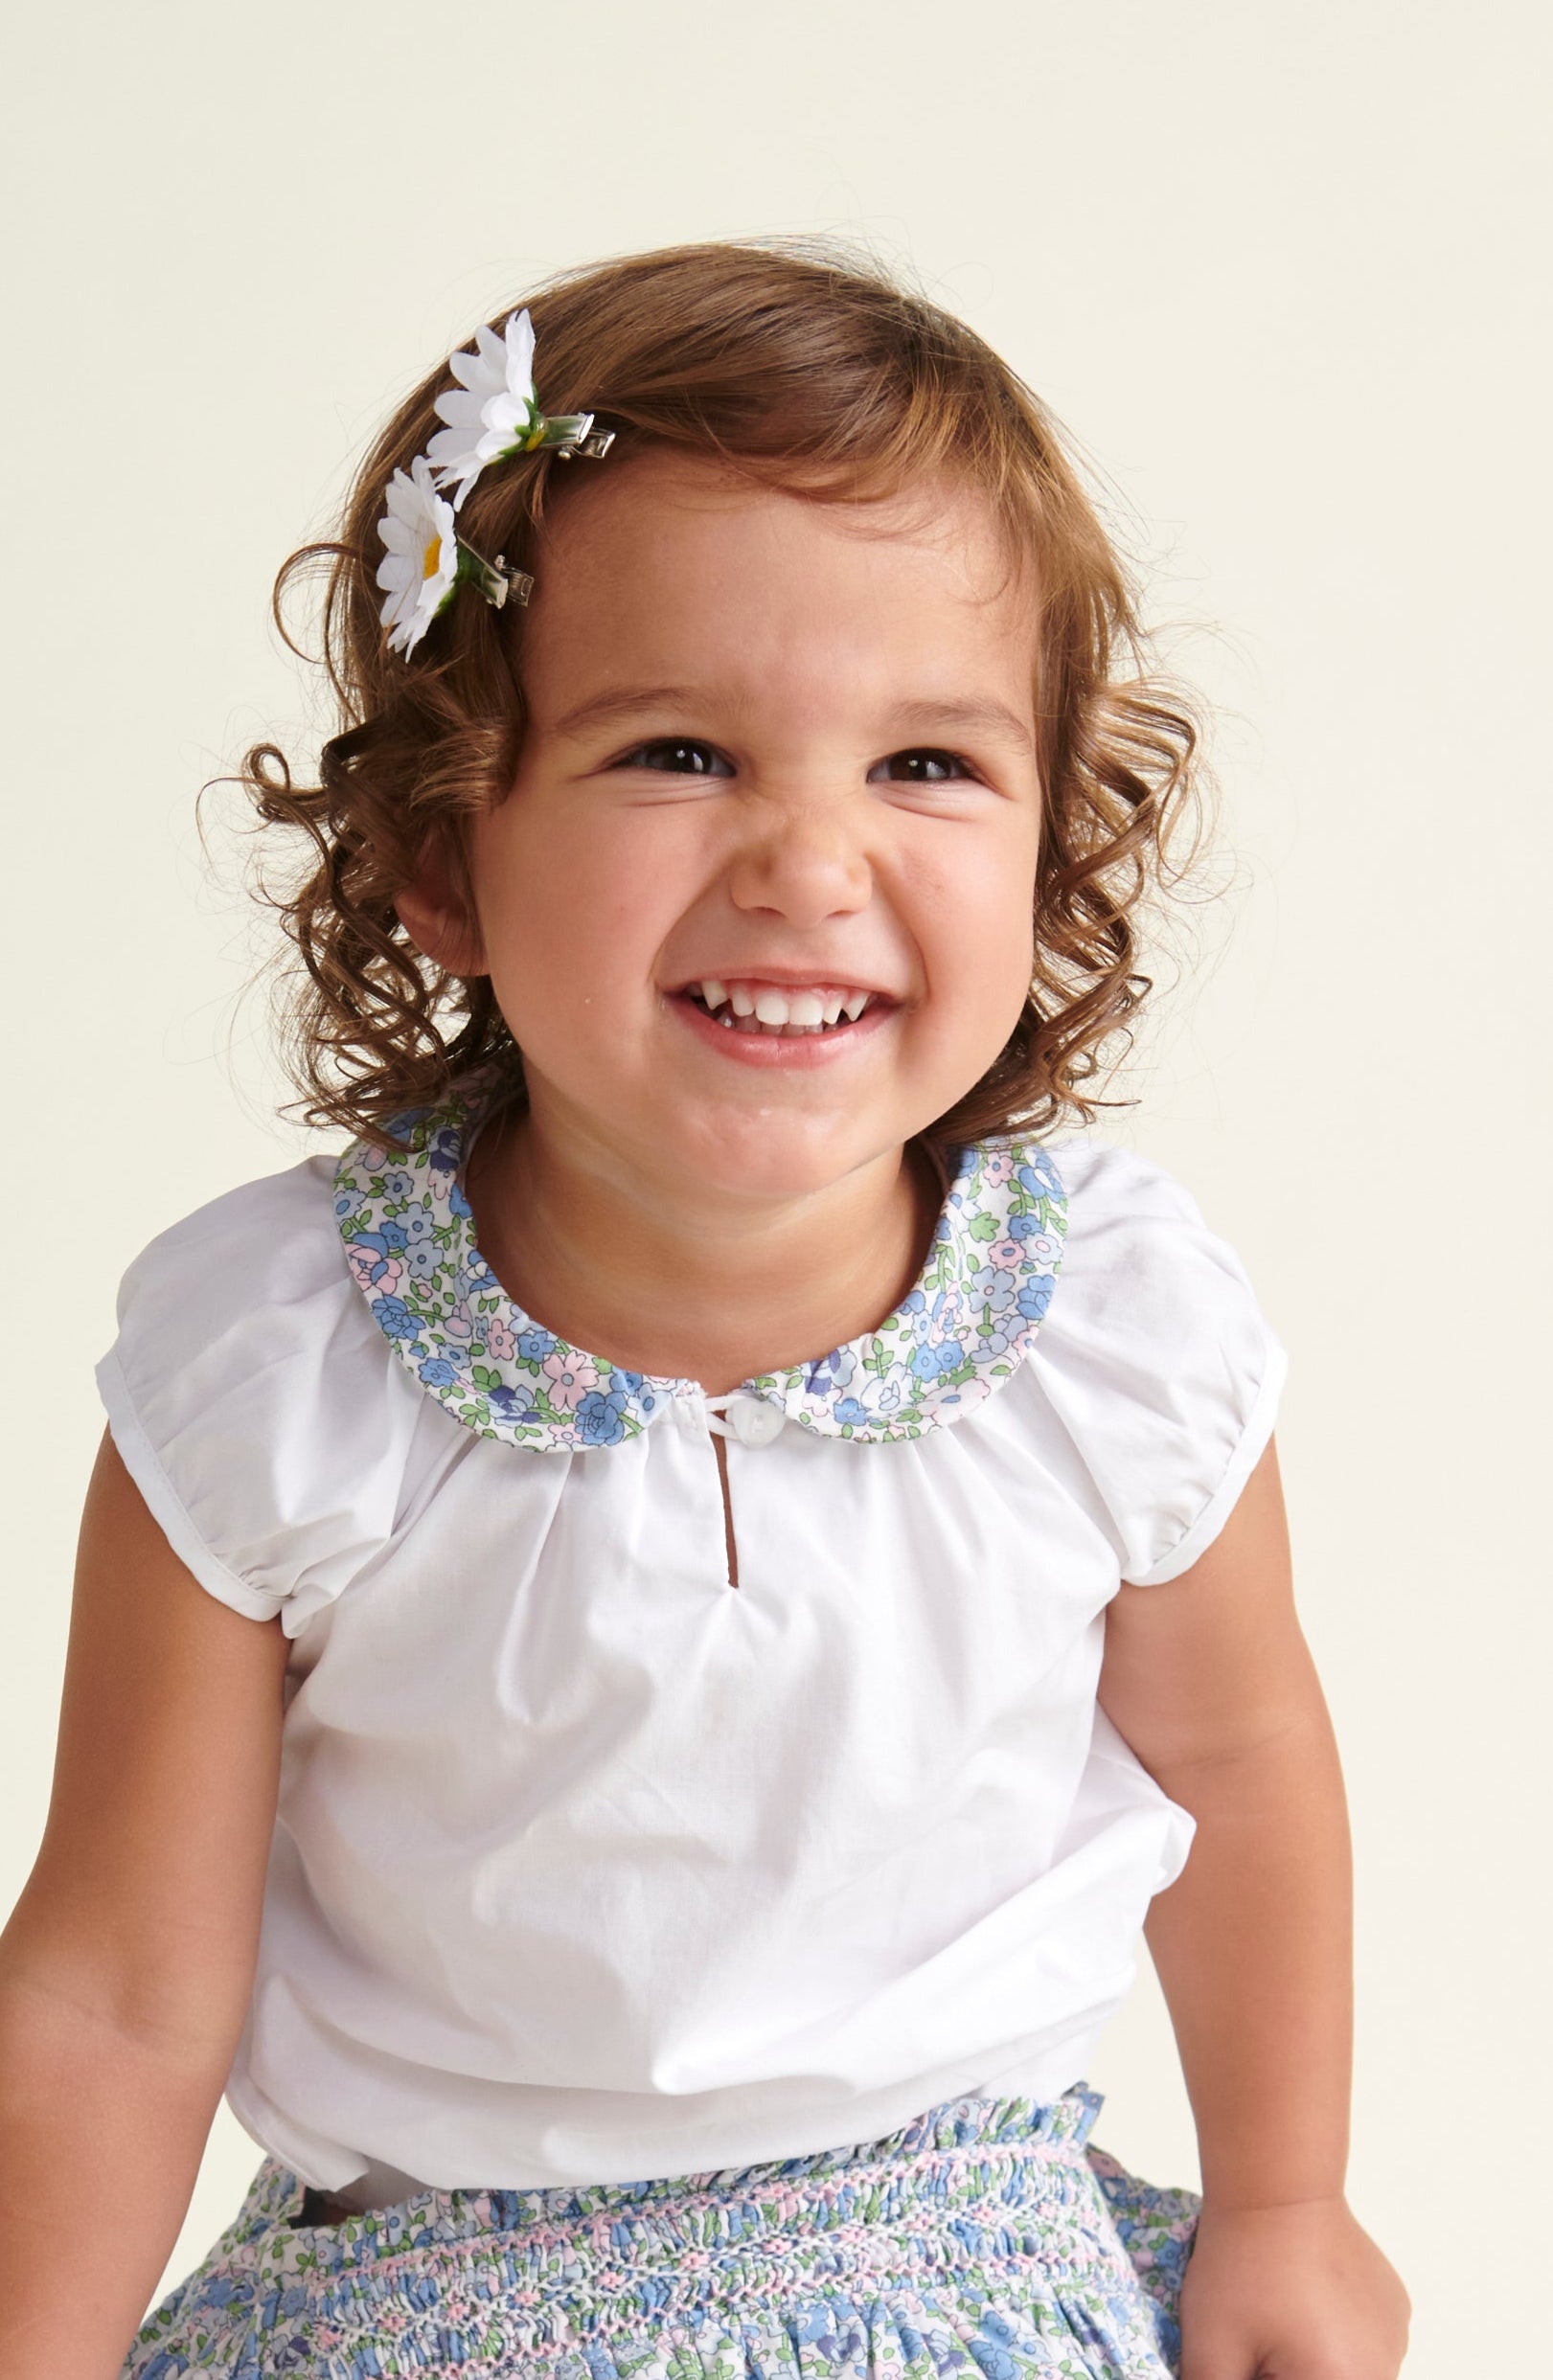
(714, 1291)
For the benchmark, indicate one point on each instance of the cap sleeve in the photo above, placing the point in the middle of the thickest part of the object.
(1159, 1360)
(248, 1395)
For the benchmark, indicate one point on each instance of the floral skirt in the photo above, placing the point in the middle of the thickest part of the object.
(984, 2238)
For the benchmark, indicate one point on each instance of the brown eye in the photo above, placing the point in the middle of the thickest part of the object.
(924, 765)
(678, 756)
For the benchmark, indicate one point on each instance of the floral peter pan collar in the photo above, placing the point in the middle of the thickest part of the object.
(409, 1239)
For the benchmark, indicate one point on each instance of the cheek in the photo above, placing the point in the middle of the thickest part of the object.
(572, 918)
(977, 928)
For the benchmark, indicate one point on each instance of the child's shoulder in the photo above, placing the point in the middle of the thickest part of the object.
(1128, 1215)
(1106, 1181)
(254, 1274)
(246, 1381)
(249, 1241)
(1156, 1353)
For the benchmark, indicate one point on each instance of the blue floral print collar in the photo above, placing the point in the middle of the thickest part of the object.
(965, 1328)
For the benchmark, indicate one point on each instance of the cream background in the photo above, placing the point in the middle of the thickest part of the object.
(1276, 270)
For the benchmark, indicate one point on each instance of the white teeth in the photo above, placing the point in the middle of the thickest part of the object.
(766, 1007)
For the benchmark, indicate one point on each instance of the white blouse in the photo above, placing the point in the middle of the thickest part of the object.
(589, 1865)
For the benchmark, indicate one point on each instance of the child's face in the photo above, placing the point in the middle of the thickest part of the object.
(772, 744)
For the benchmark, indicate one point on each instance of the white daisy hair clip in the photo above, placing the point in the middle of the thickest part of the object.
(493, 413)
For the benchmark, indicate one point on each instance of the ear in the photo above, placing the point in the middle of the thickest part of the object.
(434, 912)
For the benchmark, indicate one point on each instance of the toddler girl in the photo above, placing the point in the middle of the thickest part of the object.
(648, 1637)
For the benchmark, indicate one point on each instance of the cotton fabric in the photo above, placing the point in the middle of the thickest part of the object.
(986, 2236)
(588, 1864)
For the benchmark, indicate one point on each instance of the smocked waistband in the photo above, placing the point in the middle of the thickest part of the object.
(996, 2153)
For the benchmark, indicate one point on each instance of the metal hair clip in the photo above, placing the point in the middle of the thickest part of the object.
(570, 434)
(495, 581)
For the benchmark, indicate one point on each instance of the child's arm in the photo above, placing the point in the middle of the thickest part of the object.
(126, 1966)
(1211, 1682)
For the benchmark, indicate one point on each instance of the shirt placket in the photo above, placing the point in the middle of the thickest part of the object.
(751, 1421)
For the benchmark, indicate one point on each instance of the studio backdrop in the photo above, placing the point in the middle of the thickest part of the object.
(1274, 272)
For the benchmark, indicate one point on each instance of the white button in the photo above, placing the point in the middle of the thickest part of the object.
(755, 1422)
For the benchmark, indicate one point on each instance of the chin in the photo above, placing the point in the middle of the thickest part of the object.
(782, 1155)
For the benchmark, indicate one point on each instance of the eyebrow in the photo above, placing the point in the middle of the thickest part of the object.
(980, 715)
(599, 708)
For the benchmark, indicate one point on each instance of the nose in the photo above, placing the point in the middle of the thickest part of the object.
(803, 861)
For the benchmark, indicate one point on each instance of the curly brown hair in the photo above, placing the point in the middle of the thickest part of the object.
(808, 367)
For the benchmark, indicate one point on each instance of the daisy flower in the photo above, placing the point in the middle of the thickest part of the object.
(494, 410)
(419, 569)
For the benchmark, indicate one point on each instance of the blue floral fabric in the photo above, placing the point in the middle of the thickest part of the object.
(985, 2238)
(963, 1327)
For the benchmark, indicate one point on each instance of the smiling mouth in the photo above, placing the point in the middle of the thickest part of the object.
(782, 1010)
